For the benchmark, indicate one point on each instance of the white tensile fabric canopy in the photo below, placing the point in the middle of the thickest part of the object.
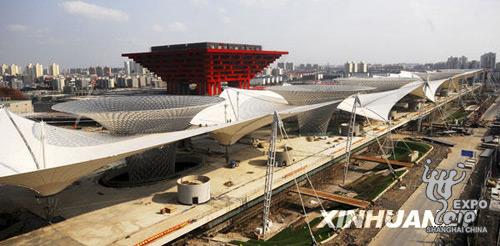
(430, 88)
(240, 104)
(378, 105)
(245, 106)
(66, 155)
(231, 134)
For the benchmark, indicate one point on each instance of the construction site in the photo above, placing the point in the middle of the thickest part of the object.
(248, 167)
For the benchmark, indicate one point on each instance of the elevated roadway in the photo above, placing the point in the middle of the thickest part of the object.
(130, 216)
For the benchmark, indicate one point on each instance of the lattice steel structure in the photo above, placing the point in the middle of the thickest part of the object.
(126, 115)
(316, 121)
(311, 94)
(381, 84)
(152, 165)
(201, 68)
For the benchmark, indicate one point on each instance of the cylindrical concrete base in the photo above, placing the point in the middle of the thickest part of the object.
(193, 189)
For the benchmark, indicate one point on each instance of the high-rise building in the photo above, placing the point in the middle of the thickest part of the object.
(126, 66)
(38, 70)
(289, 66)
(99, 71)
(4, 69)
(54, 69)
(29, 69)
(136, 68)
(350, 67)
(452, 63)
(462, 62)
(92, 70)
(58, 84)
(362, 67)
(281, 65)
(473, 64)
(277, 71)
(107, 71)
(488, 60)
(14, 70)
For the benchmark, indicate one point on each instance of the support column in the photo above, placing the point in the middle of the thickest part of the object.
(152, 165)
(316, 121)
(419, 124)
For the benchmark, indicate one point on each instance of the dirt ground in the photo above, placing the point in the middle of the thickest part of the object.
(392, 199)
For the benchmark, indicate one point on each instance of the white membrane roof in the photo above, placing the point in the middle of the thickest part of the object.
(66, 155)
(240, 104)
(431, 87)
(378, 105)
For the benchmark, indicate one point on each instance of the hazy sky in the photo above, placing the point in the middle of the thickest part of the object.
(88, 32)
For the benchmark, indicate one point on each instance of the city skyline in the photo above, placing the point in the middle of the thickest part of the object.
(97, 32)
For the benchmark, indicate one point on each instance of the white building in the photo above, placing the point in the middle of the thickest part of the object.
(362, 67)
(136, 68)
(277, 72)
(14, 70)
(29, 69)
(38, 70)
(267, 71)
(126, 66)
(16, 83)
(351, 67)
(4, 69)
(58, 84)
(54, 69)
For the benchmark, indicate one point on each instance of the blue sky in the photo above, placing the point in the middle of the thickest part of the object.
(88, 32)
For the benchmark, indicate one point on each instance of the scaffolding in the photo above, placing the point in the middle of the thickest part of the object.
(277, 125)
(350, 135)
(271, 163)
